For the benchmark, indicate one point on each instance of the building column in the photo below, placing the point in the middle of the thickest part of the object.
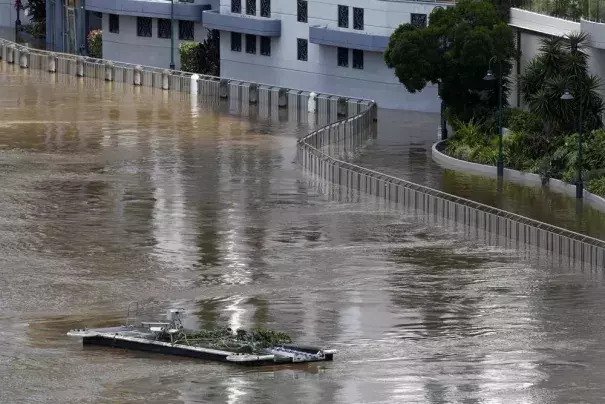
(54, 25)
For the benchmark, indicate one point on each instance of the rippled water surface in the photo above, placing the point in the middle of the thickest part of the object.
(111, 195)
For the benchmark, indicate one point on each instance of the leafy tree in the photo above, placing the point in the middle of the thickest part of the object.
(562, 64)
(202, 58)
(454, 51)
(37, 10)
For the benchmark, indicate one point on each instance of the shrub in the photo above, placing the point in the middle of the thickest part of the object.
(597, 186)
(519, 120)
(95, 43)
(201, 58)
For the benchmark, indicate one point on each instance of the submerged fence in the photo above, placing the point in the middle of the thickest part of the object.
(329, 107)
(314, 150)
(519, 230)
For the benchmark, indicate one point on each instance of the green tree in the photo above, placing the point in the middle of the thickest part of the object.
(454, 51)
(202, 58)
(562, 64)
(37, 10)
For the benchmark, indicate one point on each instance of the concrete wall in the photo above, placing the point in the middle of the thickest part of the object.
(7, 13)
(148, 51)
(321, 72)
(515, 176)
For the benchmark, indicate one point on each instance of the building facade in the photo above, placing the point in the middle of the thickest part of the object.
(331, 46)
(533, 24)
(8, 14)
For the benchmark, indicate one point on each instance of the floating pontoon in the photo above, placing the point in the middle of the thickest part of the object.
(256, 347)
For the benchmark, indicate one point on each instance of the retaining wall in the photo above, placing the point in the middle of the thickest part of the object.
(518, 177)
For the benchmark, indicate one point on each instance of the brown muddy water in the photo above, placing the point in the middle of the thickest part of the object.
(113, 194)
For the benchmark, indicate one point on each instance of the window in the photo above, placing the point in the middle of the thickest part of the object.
(250, 43)
(357, 59)
(143, 26)
(343, 16)
(343, 57)
(265, 8)
(114, 23)
(301, 13)
(265, 46)
(302, 46)
(251, 7)
(164, 28)
(186, 30)
(418, 20)
(357, 18)
(236, 6)
(236, 42)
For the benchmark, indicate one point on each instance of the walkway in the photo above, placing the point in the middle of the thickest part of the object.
(403, 149)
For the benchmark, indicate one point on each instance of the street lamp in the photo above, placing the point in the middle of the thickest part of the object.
(579, 183)
(18, 7)
(171, 34)
(489, 76)
(442, 116)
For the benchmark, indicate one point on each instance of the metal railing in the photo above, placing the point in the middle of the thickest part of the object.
(351, 132)
(574, 10)
(522, 230)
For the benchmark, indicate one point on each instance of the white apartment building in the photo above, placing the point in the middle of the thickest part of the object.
(332, 46)
(329, 46)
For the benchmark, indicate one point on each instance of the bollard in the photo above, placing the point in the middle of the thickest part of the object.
(24, 59)
(165, 76)
(194, 87)
(108, 71)
(10, 55)
(52, 63)
(3, 51)
(80, 66)
(312, 103)
(137, 75)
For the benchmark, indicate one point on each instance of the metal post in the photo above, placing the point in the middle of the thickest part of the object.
(18, 7)
(500, 166)
(443, 120)
(579, 181)
(172, 34)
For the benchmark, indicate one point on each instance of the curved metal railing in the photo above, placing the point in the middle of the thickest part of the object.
(312, 158)
(354, 131)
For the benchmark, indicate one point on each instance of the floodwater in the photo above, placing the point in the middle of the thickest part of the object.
(111, 195)
(403, 150)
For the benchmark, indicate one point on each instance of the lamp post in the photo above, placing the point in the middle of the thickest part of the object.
(172, 34)
(579, 183)
(18, 7)
(490, 77)
(442, 113)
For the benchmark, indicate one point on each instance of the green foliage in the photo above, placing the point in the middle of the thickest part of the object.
(225, 338)
(95, 43)
(37, 11)
(202, 58)
(518, 120)
(454, 51)
(562, 64)
(597, 186)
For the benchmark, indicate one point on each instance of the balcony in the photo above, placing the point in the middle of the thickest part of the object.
(183, 10)
(242, 23)
(562, 17)
(590, 10)
(348, 39)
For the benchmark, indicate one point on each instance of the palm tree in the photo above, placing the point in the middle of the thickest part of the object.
(562, 64)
